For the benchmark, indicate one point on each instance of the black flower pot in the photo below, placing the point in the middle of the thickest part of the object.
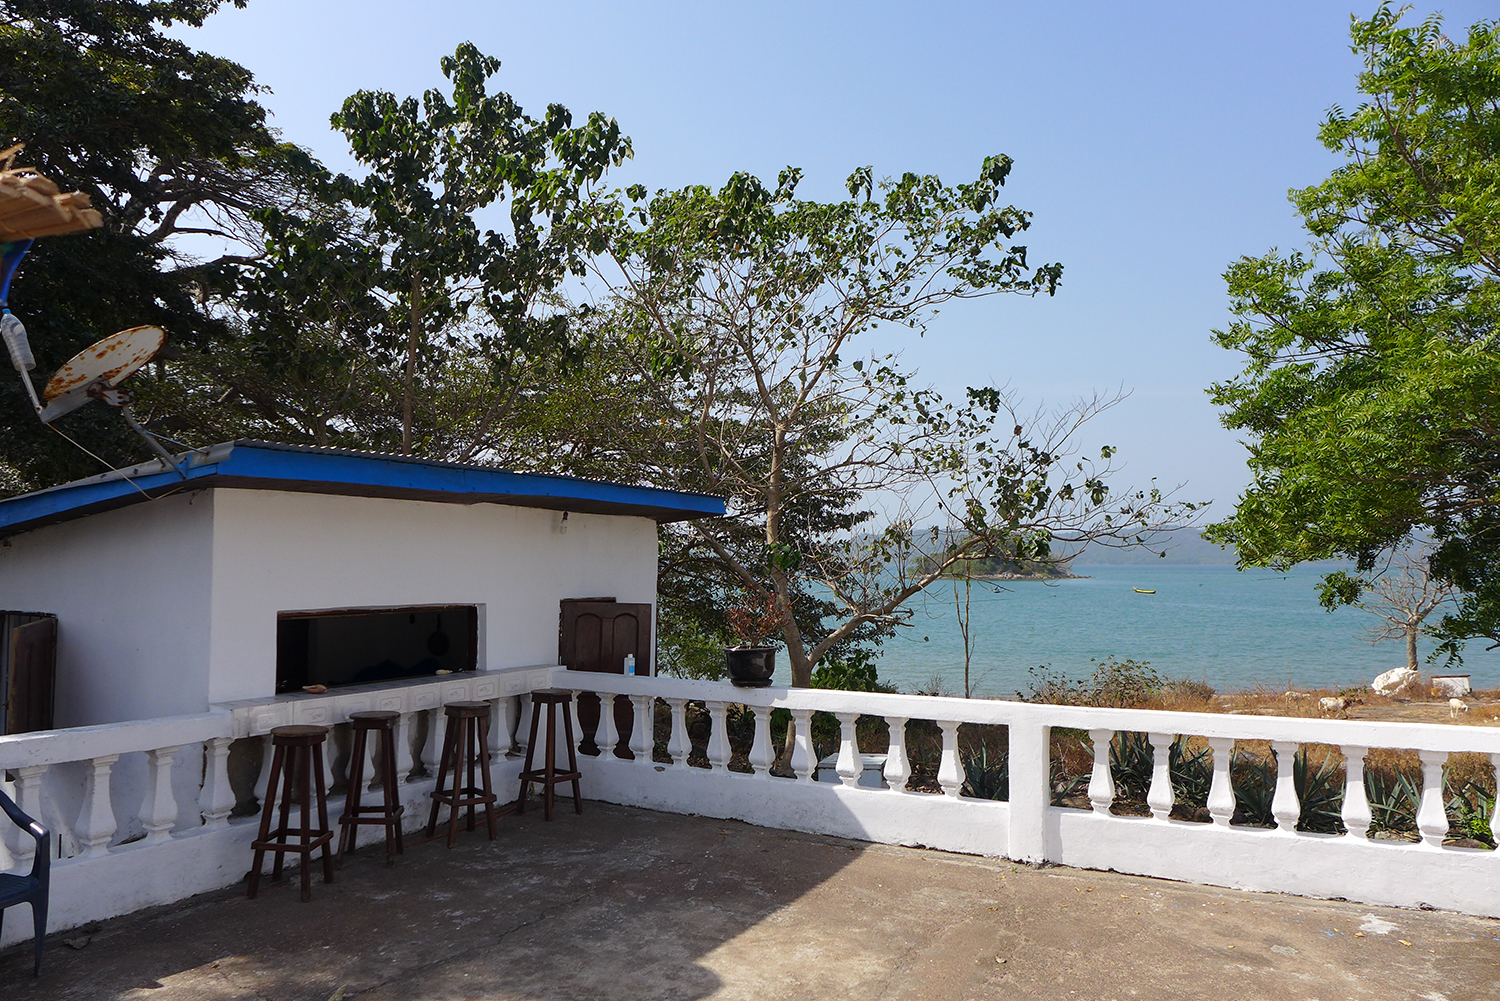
(750, 666)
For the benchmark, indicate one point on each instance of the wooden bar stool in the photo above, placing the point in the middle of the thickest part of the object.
(465, 745)
(298, 765)
(387, 813)
(548, 775)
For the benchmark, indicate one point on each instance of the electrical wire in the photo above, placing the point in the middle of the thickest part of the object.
(101, 461)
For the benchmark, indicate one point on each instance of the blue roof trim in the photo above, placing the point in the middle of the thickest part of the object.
(255, 465)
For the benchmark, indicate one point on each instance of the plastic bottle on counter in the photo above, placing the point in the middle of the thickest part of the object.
(630, 664)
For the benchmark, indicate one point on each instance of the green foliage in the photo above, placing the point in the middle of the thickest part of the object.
(1253, 780)
(1192, 773)
(1321, 792)
(1393, 798)
(686, 650)
(741, 309)
(166, 141)
(431, 165)
(850, 670)
(1131, 762)
(1368, 392)
(986, 774)
(1121, 684)
(1469, 811)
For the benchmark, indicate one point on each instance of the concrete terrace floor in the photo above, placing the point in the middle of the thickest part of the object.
(629, 904)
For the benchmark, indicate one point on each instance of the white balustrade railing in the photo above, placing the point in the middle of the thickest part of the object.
(1027, 826)
(131, 801)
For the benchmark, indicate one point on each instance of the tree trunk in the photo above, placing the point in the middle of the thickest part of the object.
(1411, 647)
(413, 339)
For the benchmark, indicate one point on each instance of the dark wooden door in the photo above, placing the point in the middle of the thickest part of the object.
(32, 672)
(595, 635)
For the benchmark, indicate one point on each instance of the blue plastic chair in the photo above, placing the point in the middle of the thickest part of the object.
(30, 889)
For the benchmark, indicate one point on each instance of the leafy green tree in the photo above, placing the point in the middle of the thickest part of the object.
(168, 142)
(432, 165)
(743, 307)
(1369, 394)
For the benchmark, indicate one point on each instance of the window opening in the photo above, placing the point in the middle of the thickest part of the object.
(363, 646)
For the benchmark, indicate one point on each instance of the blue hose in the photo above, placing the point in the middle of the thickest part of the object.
(10, 261)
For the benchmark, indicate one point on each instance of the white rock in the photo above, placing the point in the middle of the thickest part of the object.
(1394, 682)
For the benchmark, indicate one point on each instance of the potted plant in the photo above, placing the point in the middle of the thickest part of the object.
(751, 663)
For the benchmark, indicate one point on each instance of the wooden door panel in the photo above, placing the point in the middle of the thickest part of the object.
(595, 636)
(33, 672)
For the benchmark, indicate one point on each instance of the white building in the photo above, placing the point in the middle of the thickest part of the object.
(170, 591)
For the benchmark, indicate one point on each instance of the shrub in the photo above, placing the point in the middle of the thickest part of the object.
(1393, 797)
(1469, 813)
(1320, 790)
(986, 773)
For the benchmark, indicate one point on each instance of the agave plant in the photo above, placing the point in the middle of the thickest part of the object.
(1130, 763)
(985, 777)
(1132, 760)
(1469, 813)
(1321, 793)
(1253, 779)
(1192, 773)
(1393, 799)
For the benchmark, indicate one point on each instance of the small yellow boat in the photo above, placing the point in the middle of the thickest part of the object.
(1142, 590)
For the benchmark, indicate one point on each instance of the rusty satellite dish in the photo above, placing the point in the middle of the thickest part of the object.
(94, 372)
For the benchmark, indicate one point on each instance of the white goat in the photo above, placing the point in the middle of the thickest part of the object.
(1456, 706)
(1330, 706)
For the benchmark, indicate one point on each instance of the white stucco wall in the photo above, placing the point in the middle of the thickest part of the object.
(275, 551)
(167, 606)
(130, 589)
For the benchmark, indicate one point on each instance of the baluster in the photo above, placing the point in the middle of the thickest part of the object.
(718, 737)
(578, 734)
(762, 756)
(1284, 805)
(641, 739)
(849, 766)
(29, 799)
(1101, 780)
(1159, 796)
(216, 798)
(608, 733)
(263, 772)
(804, 761)
(950, 774)
(506, 723)
(678, 745)
(373, 762)
(523, 728)
(1432, 817)
(159, 806)
(96, 820)
(404, 757)
(1356, 809)
(498, 739)
(897, 766)
(1221, 791)
(427, 753)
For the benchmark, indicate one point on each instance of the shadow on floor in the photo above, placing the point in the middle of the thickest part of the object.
(627, 904)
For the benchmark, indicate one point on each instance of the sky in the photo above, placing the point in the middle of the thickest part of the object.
(1154, 142)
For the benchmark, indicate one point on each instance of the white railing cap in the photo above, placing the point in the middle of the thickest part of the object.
(1305, 730)
(79, 743)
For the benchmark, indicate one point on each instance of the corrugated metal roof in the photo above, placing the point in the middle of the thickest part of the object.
(259, 465)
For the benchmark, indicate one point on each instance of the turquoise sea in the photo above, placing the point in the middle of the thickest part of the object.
(1233, 629)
